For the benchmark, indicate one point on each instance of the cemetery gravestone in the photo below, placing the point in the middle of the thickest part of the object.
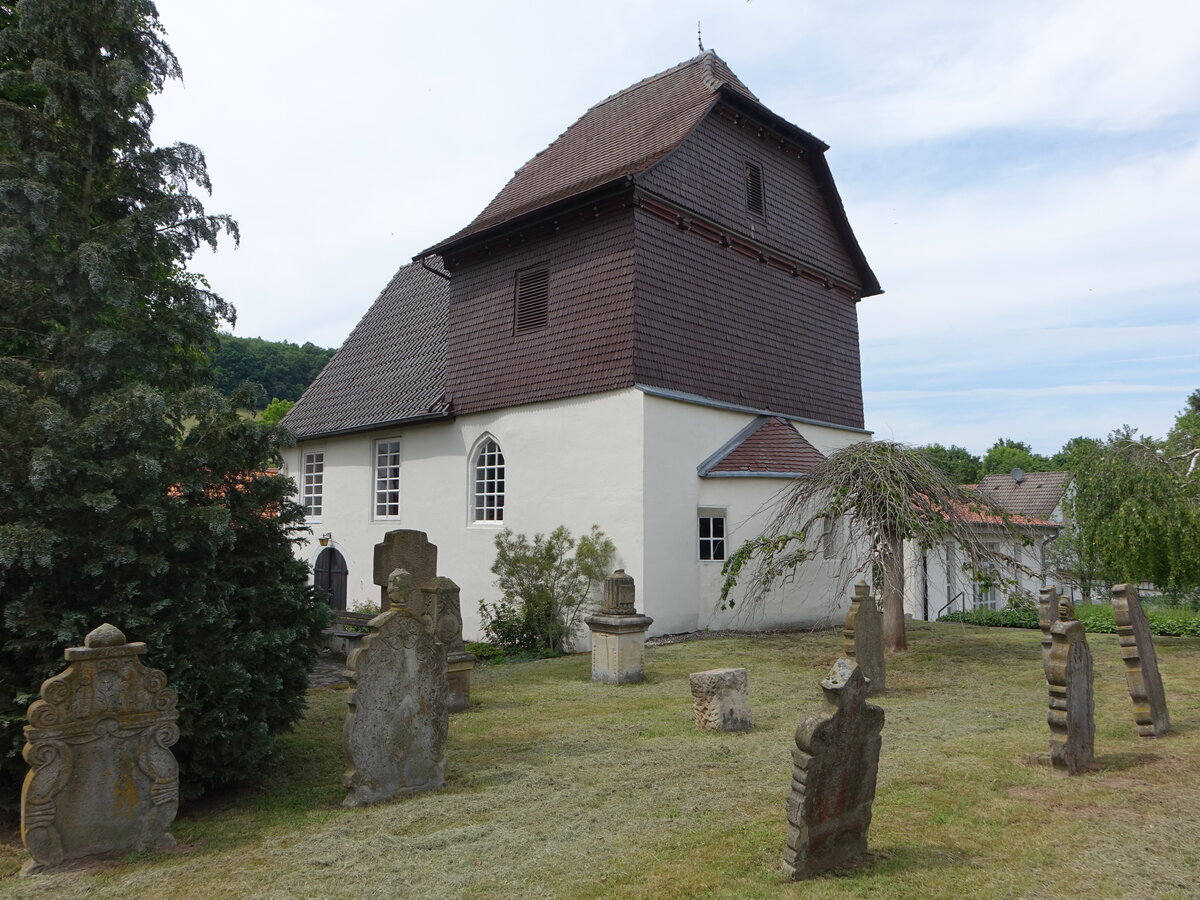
(102, 780)
(441, 602)
(618, 634)
(836, 764)
(1141, 663)
(1072, 706)
(411, 551)
(721, 700)
(863, 633)
(395, 731)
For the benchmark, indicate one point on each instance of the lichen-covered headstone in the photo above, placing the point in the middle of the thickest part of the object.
(863, 633)
(1141, 663)
(721, 700)
(1072, 706)
(835, 766)
(102, 780)
(441, 603)
(395, 731)
(411, 551)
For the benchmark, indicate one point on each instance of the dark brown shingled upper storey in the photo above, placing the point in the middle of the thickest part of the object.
(391, 368)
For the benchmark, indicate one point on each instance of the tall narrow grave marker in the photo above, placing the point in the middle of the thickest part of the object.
(863, 633)
(1072, 707)
(1141, 663)
(836, 763)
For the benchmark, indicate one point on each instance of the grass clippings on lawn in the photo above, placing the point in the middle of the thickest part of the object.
(561, 788)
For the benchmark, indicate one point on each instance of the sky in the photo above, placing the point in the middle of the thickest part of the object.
(1024, 177)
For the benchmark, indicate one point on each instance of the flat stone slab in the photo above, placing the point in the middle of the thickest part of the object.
(721, 700)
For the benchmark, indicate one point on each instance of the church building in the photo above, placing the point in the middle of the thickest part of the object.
(652, 328)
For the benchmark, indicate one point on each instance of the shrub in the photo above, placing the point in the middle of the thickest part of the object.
(545, 582)
(1097, 618)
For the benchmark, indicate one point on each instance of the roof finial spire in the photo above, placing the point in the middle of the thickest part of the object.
(699, 39)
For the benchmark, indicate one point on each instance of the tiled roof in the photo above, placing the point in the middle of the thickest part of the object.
(392, 366)
(618, 136)
(1035, 494)
(769, 445)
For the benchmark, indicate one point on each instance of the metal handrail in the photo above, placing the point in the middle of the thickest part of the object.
(949, 603)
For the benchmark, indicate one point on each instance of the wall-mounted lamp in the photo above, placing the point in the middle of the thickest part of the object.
(325, 539)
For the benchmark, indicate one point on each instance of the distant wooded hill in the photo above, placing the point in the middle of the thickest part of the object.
(283, 369)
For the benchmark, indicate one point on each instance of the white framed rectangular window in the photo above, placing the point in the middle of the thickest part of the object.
(711, 534)
(312, 484)
(387, 479)
(989, 597)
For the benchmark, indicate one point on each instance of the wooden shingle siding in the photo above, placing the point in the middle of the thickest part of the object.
(707, 173)
(586, 345)
(715, 323)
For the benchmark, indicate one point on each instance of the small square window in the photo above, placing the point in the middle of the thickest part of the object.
(711, 535)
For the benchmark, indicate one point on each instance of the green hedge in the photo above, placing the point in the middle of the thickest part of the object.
(1096, 618)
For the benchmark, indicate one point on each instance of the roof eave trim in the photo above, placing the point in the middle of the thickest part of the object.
(557, 207)
(375, 426)
(700, 400)
(748, 474)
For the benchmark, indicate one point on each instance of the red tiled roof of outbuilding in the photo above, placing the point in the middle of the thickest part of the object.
(770, 445)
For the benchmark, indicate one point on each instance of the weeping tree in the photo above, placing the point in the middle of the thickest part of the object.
(860, 506)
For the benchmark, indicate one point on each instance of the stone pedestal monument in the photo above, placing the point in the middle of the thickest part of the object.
(835, 765)
(863, 634)
(618, 634)
(102, 780)
(424, 593)
(1141, 663)
(394, 736)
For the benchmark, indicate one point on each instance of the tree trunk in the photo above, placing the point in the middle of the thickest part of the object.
(894, 639)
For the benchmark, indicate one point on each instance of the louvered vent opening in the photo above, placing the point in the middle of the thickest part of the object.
(532, 299)
(754, 188)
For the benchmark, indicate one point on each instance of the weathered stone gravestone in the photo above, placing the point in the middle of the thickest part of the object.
(102, 780)
(424, 593)
(395, 731)
(1072, 706)
(836, 763)
(721, 700)
(1141, 663)
(863, 633)
(618, 633)
(1049, 601)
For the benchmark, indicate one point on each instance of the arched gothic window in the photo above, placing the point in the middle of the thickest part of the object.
(489, 483)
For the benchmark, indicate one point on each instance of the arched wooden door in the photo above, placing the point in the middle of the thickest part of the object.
(330, 573)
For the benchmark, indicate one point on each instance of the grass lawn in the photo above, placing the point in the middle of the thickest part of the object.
(558, 787)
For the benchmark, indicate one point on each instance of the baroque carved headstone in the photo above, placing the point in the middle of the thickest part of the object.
(863, 633)
(721, 700)
(835, 766)
(1072, 706)
(1141, 663)
(411, 551)
(441, 603)
(1049, 601)
(395, 731)
(102, 780)
(618, 633)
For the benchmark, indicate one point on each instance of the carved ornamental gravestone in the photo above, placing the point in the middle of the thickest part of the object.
(1072, 707)
(1141, 663)
(1049, 602)
(863, 633)
(836, 763)
(618, 634)
(102, 780)
(394, 736)
(721, 700)
(410, 551)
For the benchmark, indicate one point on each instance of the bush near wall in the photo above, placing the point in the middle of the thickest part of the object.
(1096, 618)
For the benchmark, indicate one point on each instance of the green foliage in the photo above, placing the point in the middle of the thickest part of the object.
(1006, 455)
(113, 510)
(545, 582)
(275, 411)
(1096, 618)
(957, 462)
(1137, 510)
(284, 370)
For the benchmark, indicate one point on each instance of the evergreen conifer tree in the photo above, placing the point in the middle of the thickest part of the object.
(129, 491)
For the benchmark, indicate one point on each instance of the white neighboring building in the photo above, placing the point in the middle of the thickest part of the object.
(652, 328)
(936, 583)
